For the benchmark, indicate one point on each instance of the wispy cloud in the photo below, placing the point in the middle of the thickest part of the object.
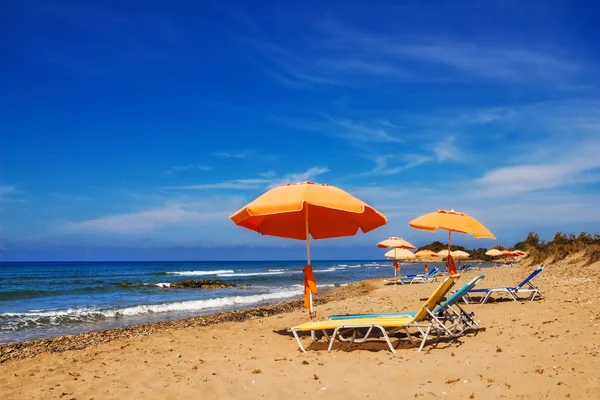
(143, 221)
(234, 184)
(532, 177)
(267, 180)
(234, 154)
(307, 175)
(71, 197)
(446, 149)
(355, 131)
(8, 192)
(181, 168)
(330, 53)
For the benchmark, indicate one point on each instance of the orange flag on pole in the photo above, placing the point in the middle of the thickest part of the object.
(310, 285)
(450, 265)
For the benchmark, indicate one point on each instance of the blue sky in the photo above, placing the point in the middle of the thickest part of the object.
(133, 132)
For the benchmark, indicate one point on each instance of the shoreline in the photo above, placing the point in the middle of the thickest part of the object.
(549, 345)
(80, 341)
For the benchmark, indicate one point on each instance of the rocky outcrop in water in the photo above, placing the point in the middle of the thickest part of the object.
(202, 284)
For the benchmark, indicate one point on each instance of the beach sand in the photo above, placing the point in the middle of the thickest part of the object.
(542, 349)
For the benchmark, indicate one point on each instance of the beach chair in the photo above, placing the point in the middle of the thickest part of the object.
(388, 325)
(464, 267)
(445, 311)
(431, 276)
(524, 287)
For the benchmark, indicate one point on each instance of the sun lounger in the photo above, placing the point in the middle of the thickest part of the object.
(431, 276)
(422, 321)
(443, 311)
(524, 287)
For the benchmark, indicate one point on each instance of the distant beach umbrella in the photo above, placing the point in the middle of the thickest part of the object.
(395, 243)
(451, 221)
(493, 253)
(301, 210)
(460, 254)
(426, 254)
(400, 254)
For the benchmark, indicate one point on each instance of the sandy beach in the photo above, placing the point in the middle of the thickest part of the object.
(542, 349)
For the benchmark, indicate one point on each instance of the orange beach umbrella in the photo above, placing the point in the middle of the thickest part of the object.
(451, 221)
(301, 210)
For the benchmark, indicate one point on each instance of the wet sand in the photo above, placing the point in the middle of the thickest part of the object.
(543, 349)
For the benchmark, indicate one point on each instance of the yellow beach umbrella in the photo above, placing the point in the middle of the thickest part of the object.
(493, 253)
(426, 254)
(301, 210)
(395, 243)
(400, 254)
(451, 221)
(460, 254)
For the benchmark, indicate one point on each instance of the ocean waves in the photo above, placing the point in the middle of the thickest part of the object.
(200, 273)
(33, 318)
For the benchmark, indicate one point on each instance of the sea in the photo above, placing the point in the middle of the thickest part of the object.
(41, 300)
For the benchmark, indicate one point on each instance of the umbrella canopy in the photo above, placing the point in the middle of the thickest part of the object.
(301, 210)
(400, 254)
(426, 254)
(493, 253)
(330, 212)
(509, 253)
(396, 243)
(443, 253)
(519, 253)
(451, 221)
(460, 254)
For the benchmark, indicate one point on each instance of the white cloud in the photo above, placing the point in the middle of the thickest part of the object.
(328, 53)
(234, 154)
(446, 150)
(71, 197)
(234, 184)
(8, 192)
(307, 175)
(144, 221)
(182, 168)
(269, 180)
(356, 131)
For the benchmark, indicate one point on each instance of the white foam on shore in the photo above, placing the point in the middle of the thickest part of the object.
(200, 273)
(57, 317)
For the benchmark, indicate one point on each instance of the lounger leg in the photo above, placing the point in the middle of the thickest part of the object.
(486, 297)
(409, 335)
(425, 338)
(335, 332)
(387, 339)
(298, 340)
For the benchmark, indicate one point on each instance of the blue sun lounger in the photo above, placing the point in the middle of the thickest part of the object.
(524, 287)
(429, 277)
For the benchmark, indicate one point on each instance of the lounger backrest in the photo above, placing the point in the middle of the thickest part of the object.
(436, 297)
(531, 276)
(432, 272)
(459, 293)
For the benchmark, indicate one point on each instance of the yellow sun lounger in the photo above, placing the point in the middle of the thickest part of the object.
(387, 325)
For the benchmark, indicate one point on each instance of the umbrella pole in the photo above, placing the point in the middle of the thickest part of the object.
(448, 252)
(395, 270)
(310, 296)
